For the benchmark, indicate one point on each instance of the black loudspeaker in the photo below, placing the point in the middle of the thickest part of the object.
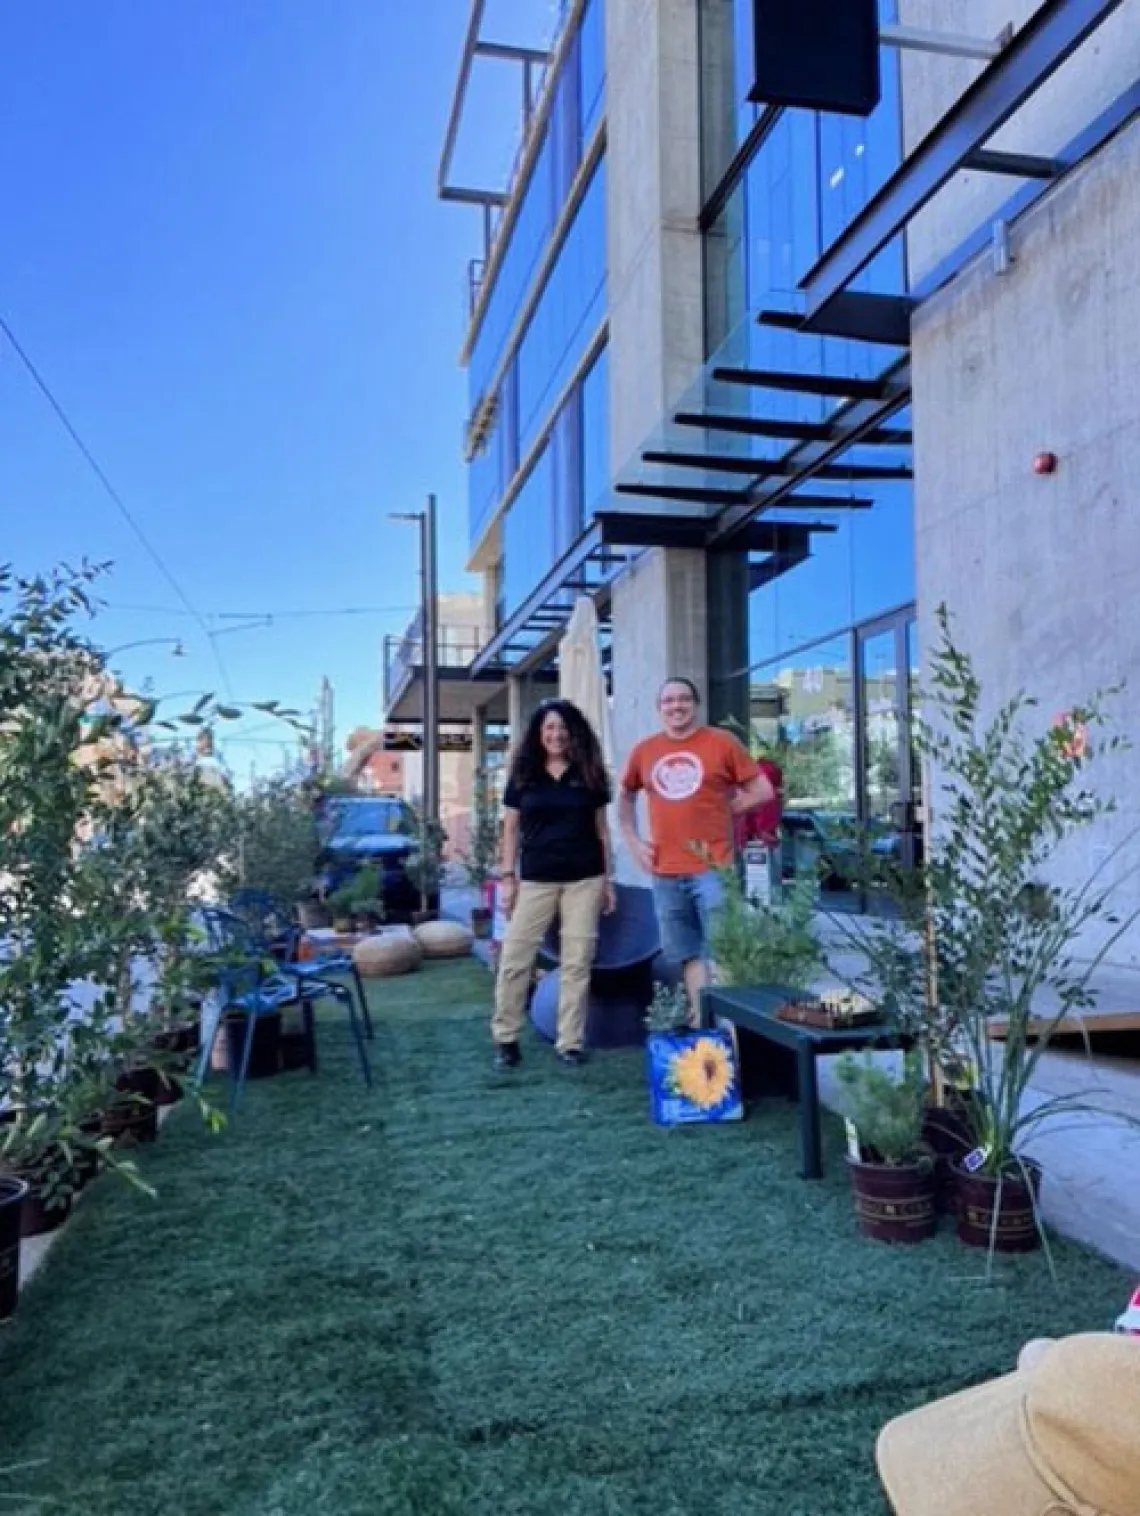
(823, 54)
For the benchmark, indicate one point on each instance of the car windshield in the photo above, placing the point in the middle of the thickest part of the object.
(364, 818)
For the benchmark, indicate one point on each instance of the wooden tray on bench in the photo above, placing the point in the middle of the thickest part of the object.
(827, 1016)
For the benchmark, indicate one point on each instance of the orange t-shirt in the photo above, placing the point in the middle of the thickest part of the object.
(689, 781)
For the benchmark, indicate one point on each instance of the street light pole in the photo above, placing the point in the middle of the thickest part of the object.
(430, 575)
(429, 629)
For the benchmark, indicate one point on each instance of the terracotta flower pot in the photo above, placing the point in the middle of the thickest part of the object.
(895, 1202)
(1015, 1229)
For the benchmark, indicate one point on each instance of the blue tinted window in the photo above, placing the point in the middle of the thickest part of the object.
(528, 534)
(528, 238)
(567, 315)
(576, 110)
(596, 433)
(592, 54)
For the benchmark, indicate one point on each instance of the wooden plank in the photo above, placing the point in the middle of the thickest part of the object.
(1073, 1026)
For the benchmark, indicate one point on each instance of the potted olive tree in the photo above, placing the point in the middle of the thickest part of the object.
(424, 866)
(892, 1169)
(981, 944)
(483, 850)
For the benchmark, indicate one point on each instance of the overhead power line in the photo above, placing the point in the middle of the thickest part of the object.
(350, 610)
(112, 493)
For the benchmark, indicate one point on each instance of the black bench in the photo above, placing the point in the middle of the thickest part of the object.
(791, 1050)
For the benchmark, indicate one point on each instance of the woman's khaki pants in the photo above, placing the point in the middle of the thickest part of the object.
(579, 905)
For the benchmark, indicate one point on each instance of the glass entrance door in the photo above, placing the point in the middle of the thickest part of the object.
(888, 776)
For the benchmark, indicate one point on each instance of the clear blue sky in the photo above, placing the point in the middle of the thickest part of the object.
(223, 250)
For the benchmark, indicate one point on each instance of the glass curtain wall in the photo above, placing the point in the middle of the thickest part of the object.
(828, 645)
(549, 413)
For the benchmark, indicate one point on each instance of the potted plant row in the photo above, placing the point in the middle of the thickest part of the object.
(980, 963)
(107, 823)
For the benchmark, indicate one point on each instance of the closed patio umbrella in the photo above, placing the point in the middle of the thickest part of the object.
(580, 677)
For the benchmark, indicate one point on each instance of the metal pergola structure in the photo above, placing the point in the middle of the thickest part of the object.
(529, 60)
(528, 639)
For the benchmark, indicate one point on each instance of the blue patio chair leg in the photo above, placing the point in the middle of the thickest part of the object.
(369, 1031)
(357, 1030)
(310, 1024)
(243, 1068)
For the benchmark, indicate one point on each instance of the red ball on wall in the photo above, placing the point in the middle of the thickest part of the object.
(1045, 463)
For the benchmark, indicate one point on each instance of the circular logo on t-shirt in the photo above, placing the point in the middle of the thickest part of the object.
(677, 776)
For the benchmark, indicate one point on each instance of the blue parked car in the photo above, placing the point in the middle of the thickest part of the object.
(361, 830)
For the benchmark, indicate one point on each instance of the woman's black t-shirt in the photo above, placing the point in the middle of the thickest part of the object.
(558, 828)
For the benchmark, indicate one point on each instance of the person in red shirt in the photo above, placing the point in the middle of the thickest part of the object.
(763, 824)
(697, 779)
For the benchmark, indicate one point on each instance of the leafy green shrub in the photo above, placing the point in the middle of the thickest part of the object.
(887, 1112)
(754, 943)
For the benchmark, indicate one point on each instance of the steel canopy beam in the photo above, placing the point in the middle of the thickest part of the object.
(850, 424)
(694, 495)
(790, 431)
(829, 385)
(510, 52)
(774, 468)
(1018, 165)
(1050, 36)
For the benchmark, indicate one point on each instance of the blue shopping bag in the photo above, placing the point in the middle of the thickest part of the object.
(693, 1076)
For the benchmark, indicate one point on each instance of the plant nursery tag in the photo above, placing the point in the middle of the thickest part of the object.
(854, 1147)
(973, 1161)
(1129, 1323)
(758, 874)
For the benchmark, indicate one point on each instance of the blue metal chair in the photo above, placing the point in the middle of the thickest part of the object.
(271, 928)
(248, 986)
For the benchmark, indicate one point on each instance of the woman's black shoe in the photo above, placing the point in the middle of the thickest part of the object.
(574, 1057)
(507, 1055)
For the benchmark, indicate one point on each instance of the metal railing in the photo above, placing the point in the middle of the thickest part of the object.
(457, 647)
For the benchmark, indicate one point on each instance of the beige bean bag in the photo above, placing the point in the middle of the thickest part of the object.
(394, 951)
(444, 939)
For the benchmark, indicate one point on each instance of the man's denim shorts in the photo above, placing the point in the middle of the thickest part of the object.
(685, 904)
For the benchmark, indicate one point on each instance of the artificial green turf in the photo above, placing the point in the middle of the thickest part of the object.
(470, 1293)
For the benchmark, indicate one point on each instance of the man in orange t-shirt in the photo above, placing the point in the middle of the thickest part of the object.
(696, 779)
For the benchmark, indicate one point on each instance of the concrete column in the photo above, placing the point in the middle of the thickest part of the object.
(478, 740)
(653, 187)
(727, 595)
(523, 696)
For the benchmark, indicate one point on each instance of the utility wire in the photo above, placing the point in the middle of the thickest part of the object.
(116, 499)
(351, 610)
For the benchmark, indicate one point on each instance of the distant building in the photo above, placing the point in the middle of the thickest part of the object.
(463, 628)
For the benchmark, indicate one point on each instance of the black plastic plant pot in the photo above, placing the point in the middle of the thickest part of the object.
(894, 1202)
(13, 1193)
(47, 1205)
(1008, 1224)
(265, 1054)
(131, 1120)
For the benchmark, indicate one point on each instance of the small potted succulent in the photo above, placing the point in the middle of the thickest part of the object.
(892, 1170)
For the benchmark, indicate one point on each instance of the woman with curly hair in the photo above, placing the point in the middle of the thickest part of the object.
(555, 861)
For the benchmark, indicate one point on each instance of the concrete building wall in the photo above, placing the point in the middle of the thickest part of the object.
(653, 204)
(1085, 86)
(656, 340)
(1042, 573)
